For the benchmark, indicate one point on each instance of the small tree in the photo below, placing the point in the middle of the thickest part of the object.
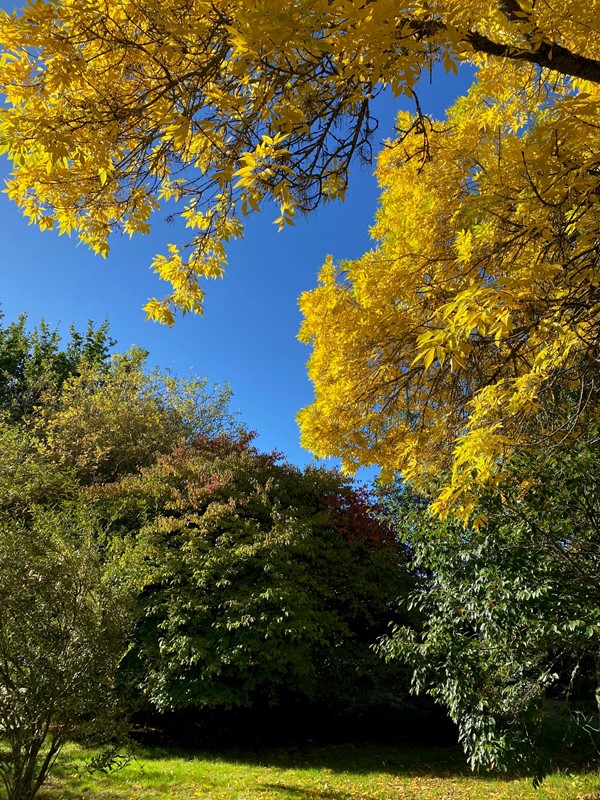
(63, 625)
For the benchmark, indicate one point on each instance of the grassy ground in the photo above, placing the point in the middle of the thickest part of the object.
(335, 772)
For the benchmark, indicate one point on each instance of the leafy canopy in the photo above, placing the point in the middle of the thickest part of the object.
(114, 419)
(479, 303)
(257, 583)
(71, 416)
(64, 621)
(254, 582)
(511, 611)
(210, 108)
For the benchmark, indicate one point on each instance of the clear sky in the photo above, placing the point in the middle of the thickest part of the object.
(247, 336)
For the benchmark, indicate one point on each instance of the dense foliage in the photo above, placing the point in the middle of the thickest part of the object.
(511, 610)
(114, 420)
(35, 363)
(218, 106)
(479, 302)
(66, 611)
(259, 583)
(132, 501)
(64, 622)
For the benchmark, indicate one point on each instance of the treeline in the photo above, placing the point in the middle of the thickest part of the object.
(156, 566)
(154, 561)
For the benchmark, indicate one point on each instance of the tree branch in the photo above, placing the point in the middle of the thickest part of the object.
(547, 55)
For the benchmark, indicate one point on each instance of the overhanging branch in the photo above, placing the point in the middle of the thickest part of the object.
(547, 55)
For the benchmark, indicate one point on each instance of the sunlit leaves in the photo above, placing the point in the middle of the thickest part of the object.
(117, 108)
(432, 351)
(117, 419)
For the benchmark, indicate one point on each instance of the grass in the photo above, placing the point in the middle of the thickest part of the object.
(334, 772)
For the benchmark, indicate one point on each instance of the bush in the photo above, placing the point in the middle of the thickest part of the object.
(63, 624)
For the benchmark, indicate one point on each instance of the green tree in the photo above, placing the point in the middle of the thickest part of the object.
(70, 415)
(64, 621)
(511, 611)
(28, 478)
(35, 363)
(259, 583)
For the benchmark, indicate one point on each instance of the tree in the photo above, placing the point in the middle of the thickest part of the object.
(478, 306)
(64, 620)
(113, 109)
(510, 611)
(259, 584)
(111, 420)
(70, 416)
(33, 364)
(28, 478)
(73, 413)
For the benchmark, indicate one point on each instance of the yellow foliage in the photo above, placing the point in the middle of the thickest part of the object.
(432, 352)
(114, 108)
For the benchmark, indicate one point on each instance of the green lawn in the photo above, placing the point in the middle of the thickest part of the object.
(335, 772)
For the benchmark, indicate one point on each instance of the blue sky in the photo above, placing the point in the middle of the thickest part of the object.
(247, 336)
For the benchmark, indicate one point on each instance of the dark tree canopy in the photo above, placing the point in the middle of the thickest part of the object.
(259, 582)
(510, 611)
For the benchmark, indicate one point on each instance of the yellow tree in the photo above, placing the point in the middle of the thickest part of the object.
(430, 353)
(209, 108)
(480, 304)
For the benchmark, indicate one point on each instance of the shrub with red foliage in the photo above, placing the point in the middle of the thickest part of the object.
(355, 517)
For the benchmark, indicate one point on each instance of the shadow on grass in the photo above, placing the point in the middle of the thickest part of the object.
(403, 745)
(374, 757)
(353, 758)
(310, 794)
